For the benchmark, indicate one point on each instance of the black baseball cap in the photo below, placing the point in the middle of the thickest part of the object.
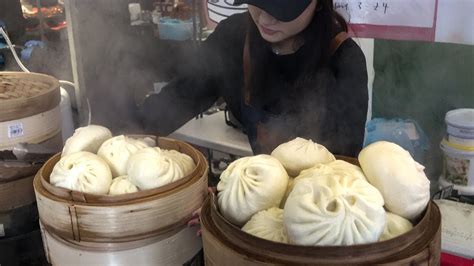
(283, 10)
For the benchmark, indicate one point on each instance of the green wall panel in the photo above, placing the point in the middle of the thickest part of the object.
(422, 81)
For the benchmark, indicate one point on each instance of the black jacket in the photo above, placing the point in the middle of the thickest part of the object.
(334, 117)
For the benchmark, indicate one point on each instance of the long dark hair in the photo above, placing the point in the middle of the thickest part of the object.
(326, 23)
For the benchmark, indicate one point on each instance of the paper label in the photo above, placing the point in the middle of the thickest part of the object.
(409, 13)
(15, 130)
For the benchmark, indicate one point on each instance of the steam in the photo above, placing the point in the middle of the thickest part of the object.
(120, 63)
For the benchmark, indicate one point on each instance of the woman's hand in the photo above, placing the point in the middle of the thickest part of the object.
(195, 219)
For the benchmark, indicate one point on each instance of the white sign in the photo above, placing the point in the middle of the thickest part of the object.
(455, 22)
(408, 13)
(219, 10)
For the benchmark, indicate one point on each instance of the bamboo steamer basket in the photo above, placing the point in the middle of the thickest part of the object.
(226, 244)
(29, 111)
(175, 248)
(92, 220)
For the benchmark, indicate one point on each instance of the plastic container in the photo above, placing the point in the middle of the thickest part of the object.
(460, 123)
(404, 132)
(175, 29)
(458, 167)
(469, 143)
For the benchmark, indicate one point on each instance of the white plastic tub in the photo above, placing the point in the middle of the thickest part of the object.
(460, 123)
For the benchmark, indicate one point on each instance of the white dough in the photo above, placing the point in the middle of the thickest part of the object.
(250, 185)
(335, 167)
(400, 179)
(395, 225)
(82, 171)
(87, 138)
(300, 154)
(268, 225)
(151, 168)
(289, 188)
(122, 185)
(184, 160)
(334, 210)
(116, 152)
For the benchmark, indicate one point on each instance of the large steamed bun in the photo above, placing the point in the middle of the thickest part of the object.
(122, 185)
(116, 152)
(185, 161)
(334, 210)
(87, 138)
(82, 171)
(268, 225)
(250, 185)
(300, 154)
(394, 226)
(400, 179)
(151, 168)
(334, 167)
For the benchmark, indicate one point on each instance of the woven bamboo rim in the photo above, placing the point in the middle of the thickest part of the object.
(223, 239)
(16, 193)
(105, 200)
(140, 216)
(47, 98)
(112, 247)
(34, 129)
(170, 249)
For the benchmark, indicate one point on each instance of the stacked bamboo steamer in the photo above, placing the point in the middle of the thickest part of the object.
(226, 244)
(29, 114)
(146, 227)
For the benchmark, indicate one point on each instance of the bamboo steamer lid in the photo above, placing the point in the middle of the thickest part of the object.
(29, 108)
(112, 219)
(226, 244)
(27, 94)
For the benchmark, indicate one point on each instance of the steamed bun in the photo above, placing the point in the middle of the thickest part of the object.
(268, 225)
(121, 185)
(399, 178)
(183, 160)
(334, 167)
(151, 168)
(82, 171)
(87, 138)
(300, 154)
(250, 185)
(289, 188)
(394, 226)
(334, 210)
(116, 152)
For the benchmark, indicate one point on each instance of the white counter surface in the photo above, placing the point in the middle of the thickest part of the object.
(213, 133)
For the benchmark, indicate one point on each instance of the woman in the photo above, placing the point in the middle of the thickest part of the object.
(285, 69)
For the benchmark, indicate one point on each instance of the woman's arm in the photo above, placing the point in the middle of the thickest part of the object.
(197, 88)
